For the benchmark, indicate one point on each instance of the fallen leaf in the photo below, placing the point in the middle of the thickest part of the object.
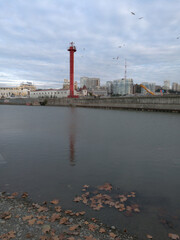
(106, 187)
(24, 195)
(55, 201)
(55, 216)
(27, 217)
(39, 222)
(29, 235)
(11, 234)
(61, 236)
(77, 199)
(72, 228)
(58, 208)
(71, 238)
(173, 236)
(92, 227)
(102, 230)
(14, 194)
(46, 228)
(63, 220)
(149, 236)
(6, 215)
(112, 235)
(136, 210)
(32, 221)
(42, 209)
(89, 238)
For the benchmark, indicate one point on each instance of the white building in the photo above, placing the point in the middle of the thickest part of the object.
(175, 87)
(109, 87)
(122, 87)
(49, 93)
(55, 93)
(166, 85)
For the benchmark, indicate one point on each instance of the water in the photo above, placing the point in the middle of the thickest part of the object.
(51, 152)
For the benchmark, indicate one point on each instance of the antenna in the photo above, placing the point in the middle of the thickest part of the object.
(125, 70)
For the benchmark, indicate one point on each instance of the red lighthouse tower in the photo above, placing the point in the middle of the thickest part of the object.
(72, 49)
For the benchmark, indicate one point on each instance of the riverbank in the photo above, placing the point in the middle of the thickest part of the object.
(21, 219)
(166, 103)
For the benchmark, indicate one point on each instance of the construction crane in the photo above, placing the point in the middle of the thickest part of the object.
(149, 91)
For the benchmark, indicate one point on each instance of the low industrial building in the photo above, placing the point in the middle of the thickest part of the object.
(22, 91)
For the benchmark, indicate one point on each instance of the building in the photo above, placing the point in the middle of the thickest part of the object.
(90, 83)
(122, 87)
(109, 87)
(22, 91)
(150, 86)
(136, 89)
(166, 85)
(175, 87)
(49, 93)
(101, 91)
(66, 84)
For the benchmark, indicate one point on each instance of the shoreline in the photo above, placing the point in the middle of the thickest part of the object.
(21, 219)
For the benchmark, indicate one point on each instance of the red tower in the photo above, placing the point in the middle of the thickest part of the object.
(72, 49)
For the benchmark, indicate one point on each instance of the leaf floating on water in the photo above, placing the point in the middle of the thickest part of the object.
(149, 236)
(55, 201)
(77, 199)
(15, 194)
(173, 236)
(24, 195)
(85, 186)
(106, 187)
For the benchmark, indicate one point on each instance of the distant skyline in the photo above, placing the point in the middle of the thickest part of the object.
(35, 35)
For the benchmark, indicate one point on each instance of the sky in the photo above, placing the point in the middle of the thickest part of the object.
(35, 36)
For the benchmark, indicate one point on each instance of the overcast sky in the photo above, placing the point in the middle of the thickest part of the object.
(35, 35)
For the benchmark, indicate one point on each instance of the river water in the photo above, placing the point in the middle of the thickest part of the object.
(51, 152)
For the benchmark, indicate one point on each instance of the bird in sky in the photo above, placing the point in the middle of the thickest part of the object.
(119, 47)
(117, 58)
(177, 37)
(132, 13)
(140, 18)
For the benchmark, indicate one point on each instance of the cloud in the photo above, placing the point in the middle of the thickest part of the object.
(34, 36)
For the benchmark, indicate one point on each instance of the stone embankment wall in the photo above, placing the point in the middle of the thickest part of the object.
(169, 103)
(154, 103)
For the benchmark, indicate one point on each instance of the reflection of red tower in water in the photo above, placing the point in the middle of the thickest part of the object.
(72, 150)
(72, 50)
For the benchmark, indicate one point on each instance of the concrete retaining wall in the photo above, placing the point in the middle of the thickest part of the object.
(157, 103)
(151, 103)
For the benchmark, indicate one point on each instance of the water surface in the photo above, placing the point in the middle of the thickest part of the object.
(51, 152)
